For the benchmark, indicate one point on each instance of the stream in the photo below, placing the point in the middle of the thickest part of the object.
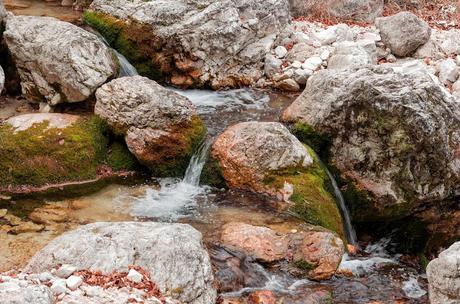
(374, 276)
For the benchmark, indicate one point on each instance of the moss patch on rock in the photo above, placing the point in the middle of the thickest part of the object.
(312, 198)
(41, 156)
(136, 42)
(173, 157)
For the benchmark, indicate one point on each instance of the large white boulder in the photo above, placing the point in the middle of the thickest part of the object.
(444, 276)
(57, 61)
(395, 135)
(193, 42)
(173, 254)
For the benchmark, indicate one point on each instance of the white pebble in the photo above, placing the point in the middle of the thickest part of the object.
(280, 51)
(73, 282)
(134, 276)
(45, 276)
(58, 287)
(296, 64)
(325, 55)
(65, 271)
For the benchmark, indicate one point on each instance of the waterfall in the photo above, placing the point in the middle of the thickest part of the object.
(126, 68)
(349, 230)
(175, 198)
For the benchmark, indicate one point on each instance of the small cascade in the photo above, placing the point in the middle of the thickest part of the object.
(349, 230)
(126, 68)
(175, 198)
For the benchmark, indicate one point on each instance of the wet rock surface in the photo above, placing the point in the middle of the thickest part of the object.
(315, 254)
(57, 62)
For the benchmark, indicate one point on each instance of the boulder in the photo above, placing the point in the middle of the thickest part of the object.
(448, 71)
(42, 153)
(57, 61)
(173, 254)
(266, 158)
(444, 276)
(262, 243)
(394, 136)
(349, 54)
(356, 10)
(314, 253)
(15, 291)
(161, 127)
(3, 11)
(403, 33)
(248, 151)
(193, 43)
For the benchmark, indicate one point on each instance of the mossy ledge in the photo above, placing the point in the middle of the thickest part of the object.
(79, 158)
(312, 198)
(135, 41)
(173, 157)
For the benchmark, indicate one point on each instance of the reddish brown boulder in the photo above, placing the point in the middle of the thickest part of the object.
(260, 242)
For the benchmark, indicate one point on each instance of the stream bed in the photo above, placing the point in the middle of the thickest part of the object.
(374, 276)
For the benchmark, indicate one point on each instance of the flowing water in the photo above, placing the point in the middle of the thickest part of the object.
(175, 198)
(374, 276)
(348, 227)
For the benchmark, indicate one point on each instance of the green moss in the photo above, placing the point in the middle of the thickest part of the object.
(135, 41)
(40, 155)
(174, 157)
(303, 265)
(312, 200)
(319, 143)
(119, 157)
(212, 174)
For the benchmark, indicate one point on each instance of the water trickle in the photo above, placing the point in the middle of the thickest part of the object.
(126, 68)
(175, 198)
(349, 230)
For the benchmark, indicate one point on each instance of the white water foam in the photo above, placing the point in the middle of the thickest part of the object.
(175, 198)
(207, 101)
(412, 289)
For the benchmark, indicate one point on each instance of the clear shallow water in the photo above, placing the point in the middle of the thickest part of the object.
(47, 8)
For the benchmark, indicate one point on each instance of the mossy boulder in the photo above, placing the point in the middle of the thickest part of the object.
(161, 128)
(391, 135)
(268, 159)
(192, 43)
(41, 153)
